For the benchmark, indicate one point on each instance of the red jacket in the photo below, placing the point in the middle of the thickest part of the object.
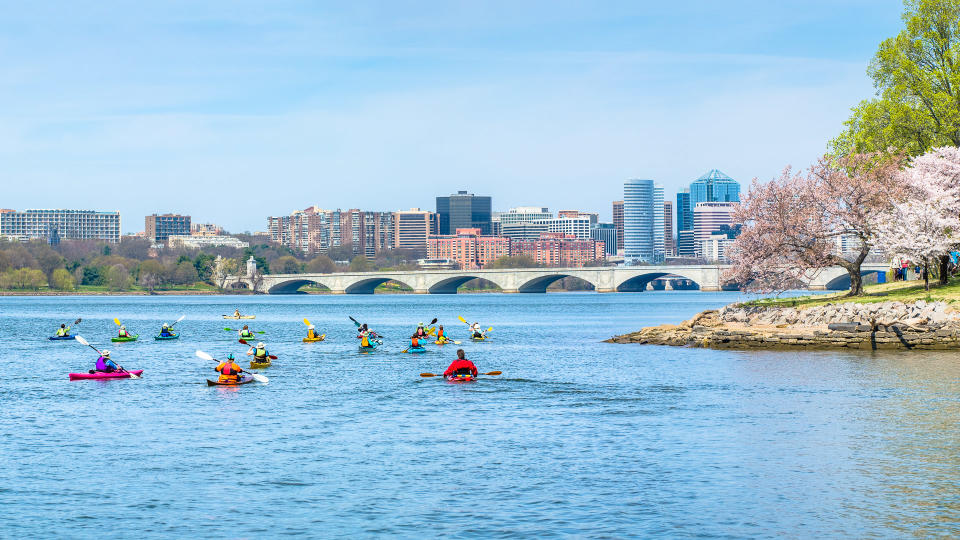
(460, 364)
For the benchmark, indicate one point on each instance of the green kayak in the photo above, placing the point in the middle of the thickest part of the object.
(123, 339)
(172, 336)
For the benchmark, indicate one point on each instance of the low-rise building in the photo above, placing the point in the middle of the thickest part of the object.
(60, 224)
(560, 250)
(199, 242)
(468, 248)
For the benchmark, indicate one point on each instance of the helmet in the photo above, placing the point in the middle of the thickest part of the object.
(310, 327)
(230, 356)
(123, 327)
(105, 353)
(420, 324)
(260, 345)
(164, 325)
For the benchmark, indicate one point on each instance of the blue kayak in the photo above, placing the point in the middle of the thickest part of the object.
(60, 338)
(172, 336)
(416, 350)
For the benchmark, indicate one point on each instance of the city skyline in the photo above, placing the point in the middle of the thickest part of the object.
(278, 107)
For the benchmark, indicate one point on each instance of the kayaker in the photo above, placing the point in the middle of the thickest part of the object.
(441, 337)
(421, 332)
(105, 364)
(461, 366)
(63, 331)
(236, 313)
(477, 331)
(259, 352)
(364, 338)
(371, 333)
(123, 332)
(229, 370)
(414, 342)
(165, 331)
(311, 332)
(245, 333)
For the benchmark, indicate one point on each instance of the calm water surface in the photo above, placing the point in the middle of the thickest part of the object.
(576, 438)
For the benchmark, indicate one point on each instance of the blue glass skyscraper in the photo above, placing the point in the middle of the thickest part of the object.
(684, 211)
(642, 222)
(714, 187)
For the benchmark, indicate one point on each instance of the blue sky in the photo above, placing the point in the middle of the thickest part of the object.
(232, 111)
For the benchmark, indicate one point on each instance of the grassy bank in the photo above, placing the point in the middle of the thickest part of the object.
(95, 290)
(899, 291)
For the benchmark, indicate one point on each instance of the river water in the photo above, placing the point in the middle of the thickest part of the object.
(577, 437)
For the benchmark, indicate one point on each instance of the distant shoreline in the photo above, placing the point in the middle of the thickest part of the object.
(213, 293)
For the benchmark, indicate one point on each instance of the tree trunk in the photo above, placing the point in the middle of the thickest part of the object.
(944, 269)
(856, 280)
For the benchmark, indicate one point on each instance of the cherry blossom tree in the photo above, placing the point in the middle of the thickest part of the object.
(925, 226)
(793, 225)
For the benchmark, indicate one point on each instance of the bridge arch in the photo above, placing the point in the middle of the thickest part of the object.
(367, 286)
(292, 286)
(451, 284)
(638, 283)
(540, 283)
(842, 282)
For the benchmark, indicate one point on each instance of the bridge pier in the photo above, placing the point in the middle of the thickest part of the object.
(605, 290)
(421, 291)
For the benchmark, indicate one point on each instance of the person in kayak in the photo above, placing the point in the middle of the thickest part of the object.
(415, 341)
(63, 331)
(364, 337)
(165, 331)
(123, 332)
(441, 336)
(477, 331)
(259, 352)
(461, 366)
(245, 333)
(236, 313)
(105, 364)
(229, 370)
(312, 332)
(421, 332)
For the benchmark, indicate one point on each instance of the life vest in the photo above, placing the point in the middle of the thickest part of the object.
(310, 333)
(228, 371)
(260, 354)
(414, 342)
(61, 332)
(364, 341)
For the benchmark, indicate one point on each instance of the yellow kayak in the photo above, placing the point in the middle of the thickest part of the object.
(314, 339)
(259, 365)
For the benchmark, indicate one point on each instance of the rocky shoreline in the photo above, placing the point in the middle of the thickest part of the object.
(888, 325)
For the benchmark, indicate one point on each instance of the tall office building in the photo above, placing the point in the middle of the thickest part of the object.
(714, 186)
(606, 233)
(669, 247)
(61, 224)
(524, 214)
(684, 211)
(618, 223)
(412, 228)
(159, 227)
(708, 218)
(642, 222)
(464, 210)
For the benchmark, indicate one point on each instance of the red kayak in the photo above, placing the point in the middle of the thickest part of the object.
(243, 380)
(460, 378)
(104, 375)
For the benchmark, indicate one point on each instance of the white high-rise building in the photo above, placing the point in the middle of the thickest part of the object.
(579, 226)
(643, 240)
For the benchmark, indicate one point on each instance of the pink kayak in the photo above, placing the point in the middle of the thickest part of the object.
(102, 375)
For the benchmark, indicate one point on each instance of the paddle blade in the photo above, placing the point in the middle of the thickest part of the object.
(434, 321)
(403, 351)
(490, 329)
(464, 321)
(76, 322)
(134, 375)
(306, 322)
(182, 317)
(205, 356)
(244, 342)
(80, 340)
(229, 329)
(429, 375)
(117, 321)
(354, 321)
(273, 357)
(493, 373)
(323, 336)
(260, 378)
(457, 342)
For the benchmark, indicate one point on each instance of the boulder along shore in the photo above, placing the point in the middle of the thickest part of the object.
(888, 325)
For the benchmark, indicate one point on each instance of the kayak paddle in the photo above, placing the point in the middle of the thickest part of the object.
(255, 332)
(256, 376)
(116, 321)
(306, 322)
(441, 374)
(82, 341)
(271, 356)
(354, 321)
(182, 317)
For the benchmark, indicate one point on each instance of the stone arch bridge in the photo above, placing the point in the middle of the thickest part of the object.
(521, 280)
